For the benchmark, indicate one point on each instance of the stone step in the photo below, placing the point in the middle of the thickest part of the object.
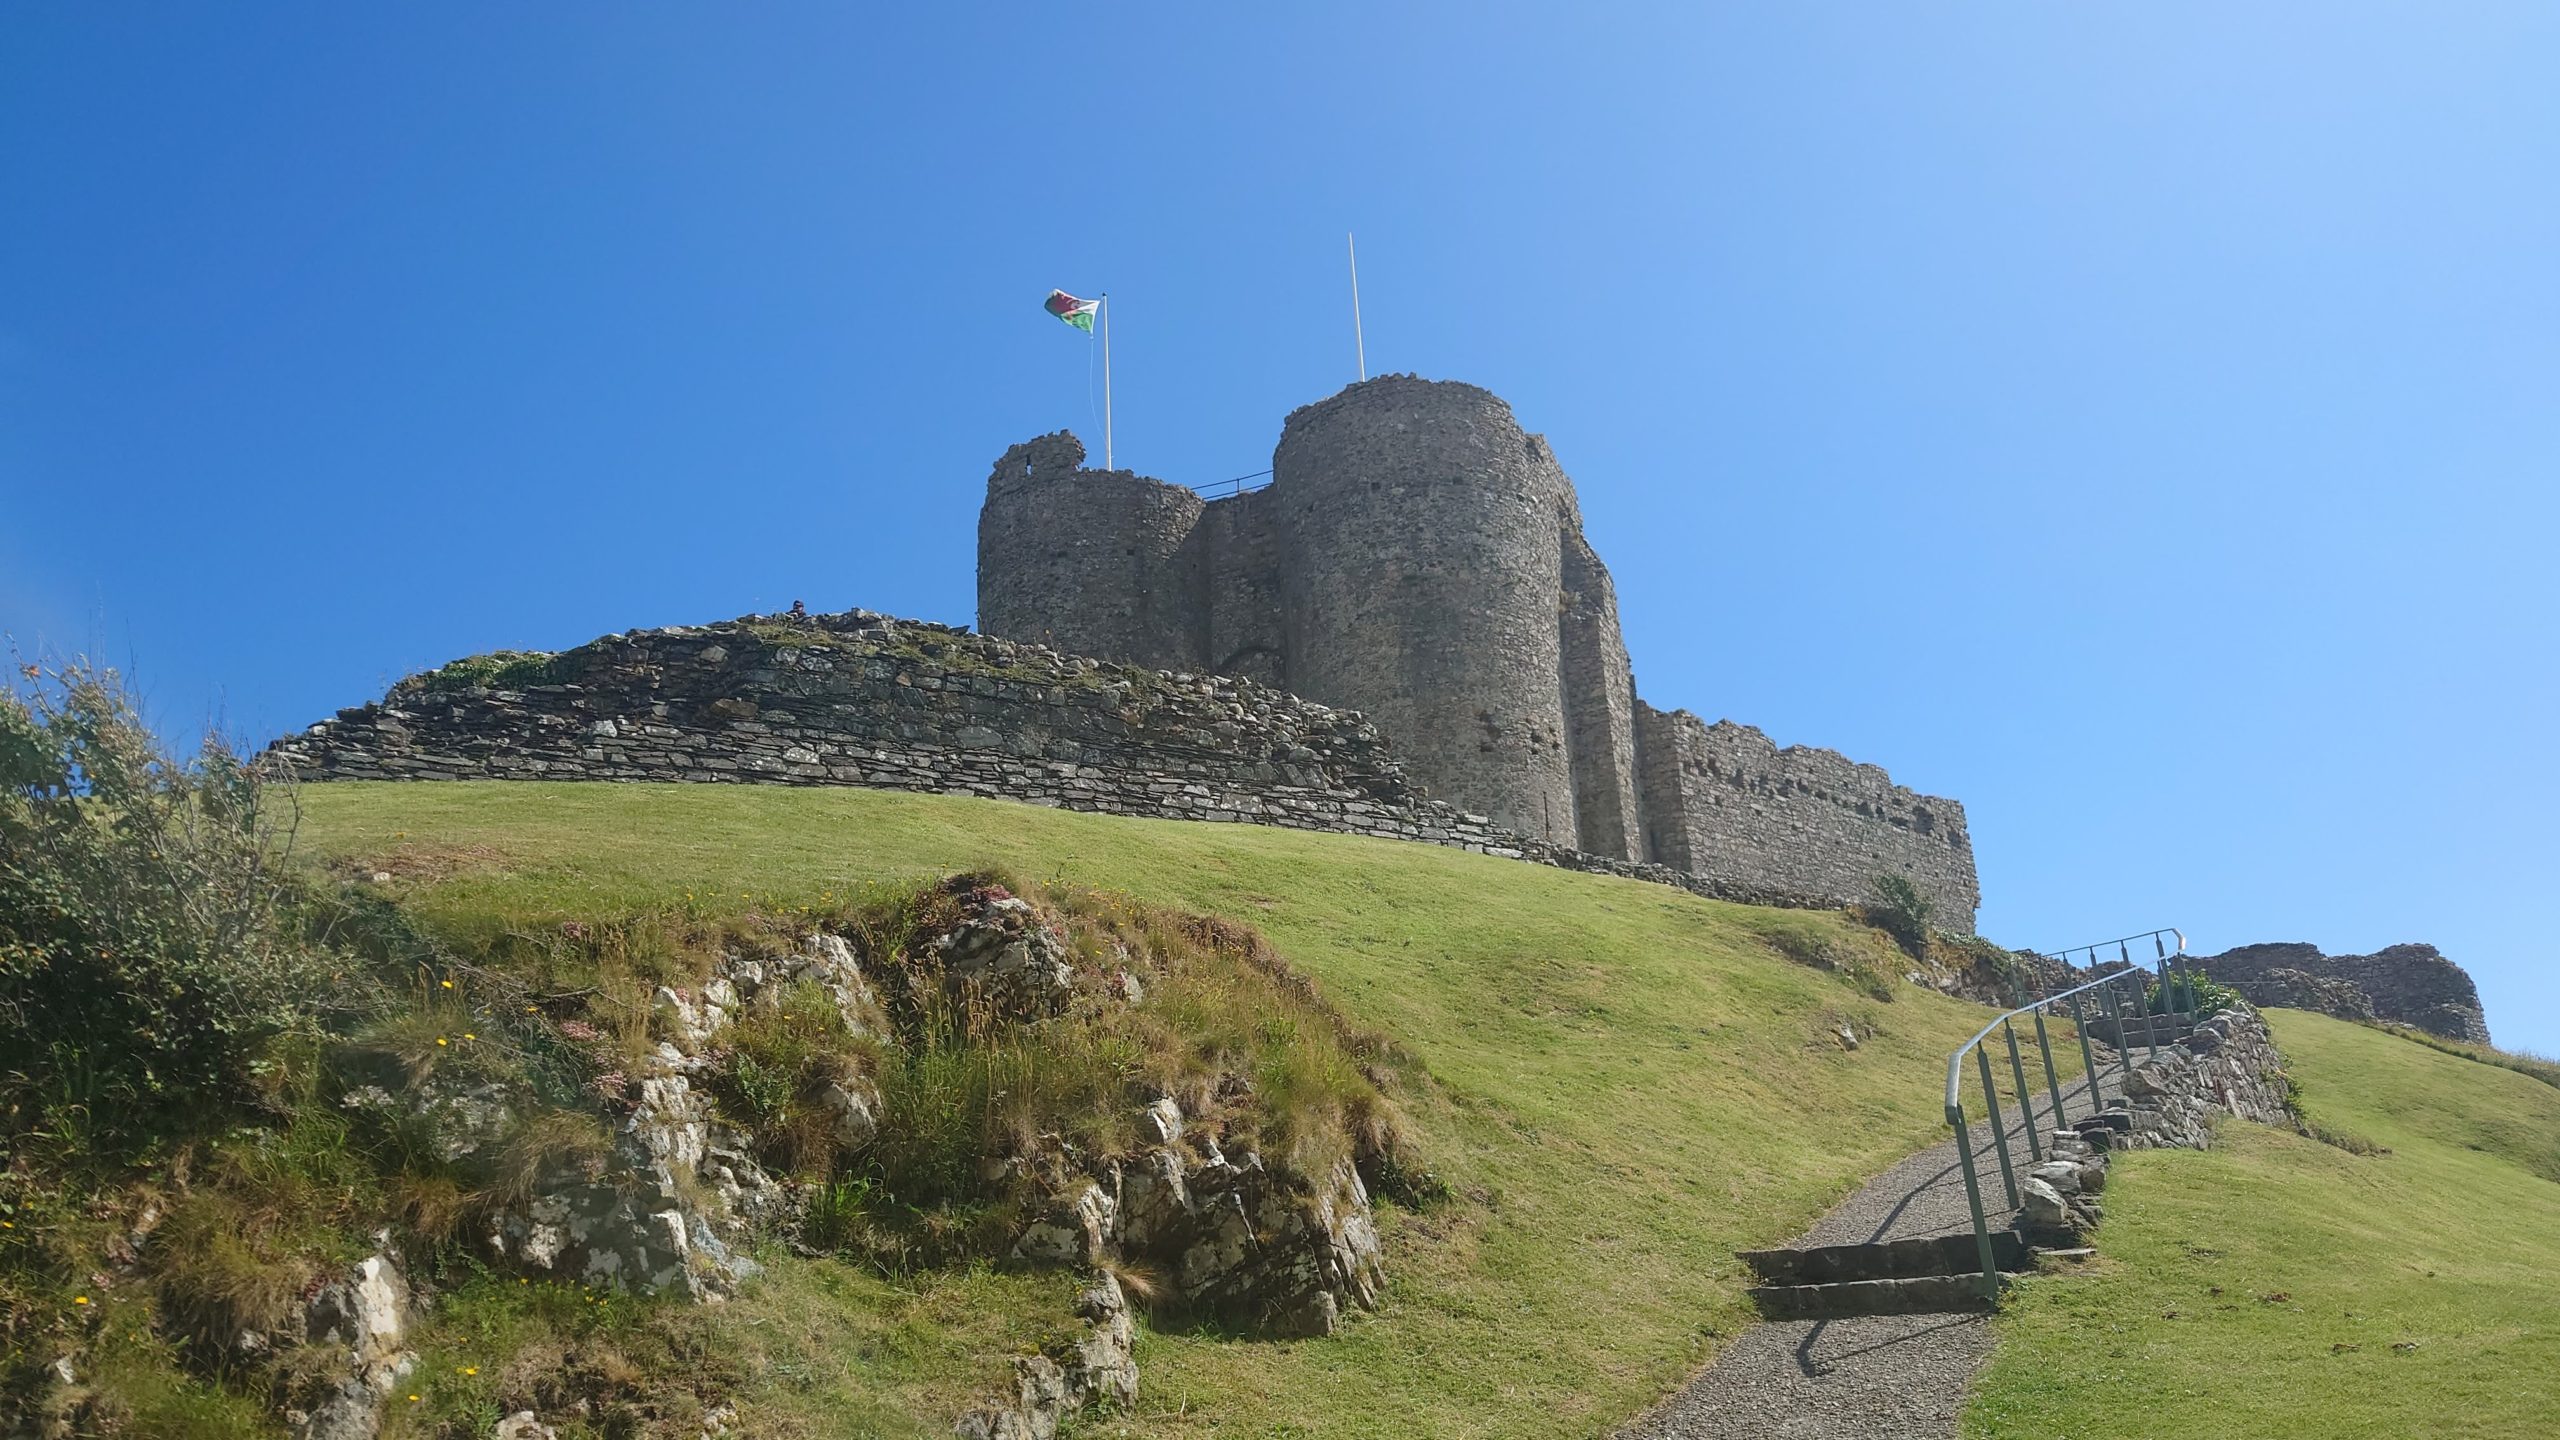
(1937, 1255)
(1910, 1295)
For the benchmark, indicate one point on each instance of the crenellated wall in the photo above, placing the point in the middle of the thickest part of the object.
(1115, 540)
(1420, 557)
(1725, 802)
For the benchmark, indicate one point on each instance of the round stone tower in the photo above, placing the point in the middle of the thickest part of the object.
(1422, 539)
(1091, 562)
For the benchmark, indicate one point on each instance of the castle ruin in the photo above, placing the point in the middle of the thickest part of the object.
(1419, 557)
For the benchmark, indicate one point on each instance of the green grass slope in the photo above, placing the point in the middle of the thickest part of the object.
(2278, 1286)
(1625, 1084)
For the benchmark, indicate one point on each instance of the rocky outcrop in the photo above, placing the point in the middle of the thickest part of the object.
(669, 1209)
(2404, 984)
(1001, 953)
(361, 1320)
(1246, 1242)
(2291, 989)
(1097, 1368)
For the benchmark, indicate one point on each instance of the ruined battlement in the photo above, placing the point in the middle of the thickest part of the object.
(1419, 557)
(2406, 984)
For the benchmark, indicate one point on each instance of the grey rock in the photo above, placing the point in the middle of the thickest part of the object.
(2062, 1175)
(2042, 1205)
(855, 1111)
(362, 1318)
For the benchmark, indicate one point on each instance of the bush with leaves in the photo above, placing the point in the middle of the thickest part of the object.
(148, 953)
(2193, 993)
(1901, 911)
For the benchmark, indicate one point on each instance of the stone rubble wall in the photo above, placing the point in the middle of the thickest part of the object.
(867, 700)
(2229, 1066)
(2409, 984)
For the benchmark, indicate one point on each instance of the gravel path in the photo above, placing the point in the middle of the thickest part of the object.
(1871, 1377)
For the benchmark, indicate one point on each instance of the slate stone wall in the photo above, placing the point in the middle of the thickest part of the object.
(867, 700)
(2409, 984)
(1724, 802)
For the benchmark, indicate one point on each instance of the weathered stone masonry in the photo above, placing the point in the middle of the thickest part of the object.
(1419, 557)
(2410, 984)
(867, 700)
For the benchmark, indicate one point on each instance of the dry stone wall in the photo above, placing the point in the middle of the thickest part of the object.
(867, 700)
(2229, 1066)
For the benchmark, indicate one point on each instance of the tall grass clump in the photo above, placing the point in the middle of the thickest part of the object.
(982, 1110)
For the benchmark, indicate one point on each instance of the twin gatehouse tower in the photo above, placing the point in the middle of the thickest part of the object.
(1419, 557)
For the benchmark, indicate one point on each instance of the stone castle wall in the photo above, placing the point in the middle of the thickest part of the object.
(867, 700)
(1423, 545)
(1725, 802)
(2409, 984)
(1420, 557)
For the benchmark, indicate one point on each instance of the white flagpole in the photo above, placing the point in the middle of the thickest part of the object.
(1359, 346)
(1103, 304)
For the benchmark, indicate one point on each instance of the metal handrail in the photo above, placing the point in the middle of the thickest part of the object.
(1228, 489)
(2121, 943)
(2118, 992)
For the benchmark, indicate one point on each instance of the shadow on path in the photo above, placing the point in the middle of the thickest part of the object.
(1870, 1377)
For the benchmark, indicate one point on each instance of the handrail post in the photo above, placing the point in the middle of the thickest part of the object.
(2124, 1041)
(2052, 1082)
(1973, 1201)
(2088, 1059)
(2026, 1097)
(2151, 1028)
(1999, 1131)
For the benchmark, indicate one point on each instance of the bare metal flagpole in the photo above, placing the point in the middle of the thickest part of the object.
(1103, 304)
(1359, 346)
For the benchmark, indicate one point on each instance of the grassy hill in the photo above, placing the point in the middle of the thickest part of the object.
(1622, 1084)
(2279, 1286)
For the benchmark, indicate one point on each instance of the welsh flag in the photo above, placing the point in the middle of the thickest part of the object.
(1078, 313)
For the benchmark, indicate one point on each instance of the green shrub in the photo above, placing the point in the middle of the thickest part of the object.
(497, 670)
(2193, 993)
(1901, 911)
(149, 953)
(1828, 952)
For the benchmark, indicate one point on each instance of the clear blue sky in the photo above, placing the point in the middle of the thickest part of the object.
(2139, 421)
